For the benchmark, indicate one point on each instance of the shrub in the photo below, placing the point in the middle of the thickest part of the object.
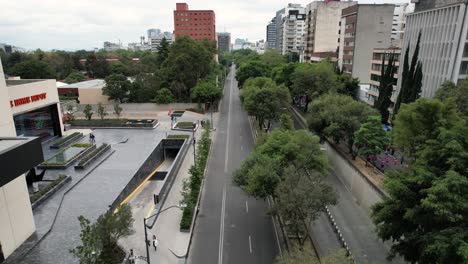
(185, 125)
(49, 187)
(176, 136)
(92, 154)
(64, 139)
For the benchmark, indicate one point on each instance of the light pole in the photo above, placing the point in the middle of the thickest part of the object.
(194, 126)
(145, 226)
(211, 113)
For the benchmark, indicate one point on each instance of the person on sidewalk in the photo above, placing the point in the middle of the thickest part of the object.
(131, 257)
(155, 243)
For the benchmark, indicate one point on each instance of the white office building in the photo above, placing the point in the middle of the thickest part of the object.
(292, 31)
(444, 44)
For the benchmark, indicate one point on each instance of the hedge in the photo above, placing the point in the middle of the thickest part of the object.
(184, 125)
(184, 136)
(113, 122)
(92, 154)
(64, 139)
(49, 187)
(192, 187)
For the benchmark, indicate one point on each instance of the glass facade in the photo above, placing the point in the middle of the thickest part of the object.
(43, 122)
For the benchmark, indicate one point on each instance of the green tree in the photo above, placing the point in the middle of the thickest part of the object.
(263, 104)
(338, 117)
(90, 250)
(117, 109)
(421, 121)
(348, 86)
(33, 69)
(102, 236)
(282, 74)
(251, 69)
(163, 51)
(313, 80)
(101, 111)
(305, 255)
(88, 112)
(164, 96)
(144, 88)
(188, 62)
(272, 59)
(411, 81)
(387, 81)
(286, 122)
(371, 138)
(281, 149)
(206, 92)
(457, 93)
(117, 67)
(97, 67)
(117, 87)
(75, 77)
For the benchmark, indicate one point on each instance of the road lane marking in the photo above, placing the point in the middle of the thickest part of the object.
(242, 148)
(246, 206)
(274, 228)
(250, 244)
(226, 155)
(221, 228)
(141, 184)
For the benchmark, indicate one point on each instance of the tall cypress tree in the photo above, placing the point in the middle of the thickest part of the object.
(387, 72)
(411, 82)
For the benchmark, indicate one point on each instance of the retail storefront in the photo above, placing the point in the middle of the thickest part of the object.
(36, 109)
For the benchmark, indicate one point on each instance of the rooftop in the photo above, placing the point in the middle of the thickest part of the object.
(91, 84)
(20, 82)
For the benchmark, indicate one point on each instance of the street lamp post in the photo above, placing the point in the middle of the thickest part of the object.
(194, 126)
(145, 226)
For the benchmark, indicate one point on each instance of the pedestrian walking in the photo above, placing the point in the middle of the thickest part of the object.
(131, 257)
(382, 164)
(91, 138)
(155, 243)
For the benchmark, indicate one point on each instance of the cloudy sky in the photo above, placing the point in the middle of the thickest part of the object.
(85, 24)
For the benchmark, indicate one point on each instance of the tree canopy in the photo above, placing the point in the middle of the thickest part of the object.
(457, 93)
(117, 87)
(251, 69)
(371, 138)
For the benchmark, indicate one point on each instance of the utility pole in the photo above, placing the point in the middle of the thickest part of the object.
(194, 126)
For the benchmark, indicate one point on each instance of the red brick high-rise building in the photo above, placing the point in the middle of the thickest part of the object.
(197, 24)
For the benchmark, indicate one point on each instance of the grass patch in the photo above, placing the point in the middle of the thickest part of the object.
(184, 136)
(64, 139)
(192, 186)
(92, 154)
(49, 187)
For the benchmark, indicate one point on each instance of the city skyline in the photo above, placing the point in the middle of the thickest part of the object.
(82, 25)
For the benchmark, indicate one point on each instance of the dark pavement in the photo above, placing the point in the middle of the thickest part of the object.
(231, 227)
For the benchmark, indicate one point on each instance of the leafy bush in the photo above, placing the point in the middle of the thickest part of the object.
(184, 136)
(192, 187)
(49, 187)
(64, 139)
(92, 154)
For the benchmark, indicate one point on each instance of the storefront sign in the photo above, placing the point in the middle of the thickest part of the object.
(28, 99)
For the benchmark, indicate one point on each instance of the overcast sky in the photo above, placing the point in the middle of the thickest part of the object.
(85, 24)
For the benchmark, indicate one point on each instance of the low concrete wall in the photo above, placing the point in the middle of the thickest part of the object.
(365, 192)
(152, 162)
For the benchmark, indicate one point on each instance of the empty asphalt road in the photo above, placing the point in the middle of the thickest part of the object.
(231, 227)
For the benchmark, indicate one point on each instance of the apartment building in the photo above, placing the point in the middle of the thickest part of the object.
(443, 25)
(363, 28)
(322, 29)
(197, 24)
(224, 41)
(376, 69)
(280, 14)
(271, 34)
(291, 31)
(399, 23)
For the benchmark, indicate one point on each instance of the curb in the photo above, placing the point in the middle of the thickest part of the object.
(51, 192)
(339, 235)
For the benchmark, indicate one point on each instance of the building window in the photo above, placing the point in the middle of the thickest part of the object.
(376, 67)
(349, 25)
(375, 77)
(464, 67)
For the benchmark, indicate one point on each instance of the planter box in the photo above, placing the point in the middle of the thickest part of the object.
(114, 123)
(69, 162)
(68, 142)
(51, 192)
(92, 159)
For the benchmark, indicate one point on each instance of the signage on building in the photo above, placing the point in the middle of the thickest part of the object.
(28, 99)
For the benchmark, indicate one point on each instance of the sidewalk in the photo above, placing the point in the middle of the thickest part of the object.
(173, 244)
